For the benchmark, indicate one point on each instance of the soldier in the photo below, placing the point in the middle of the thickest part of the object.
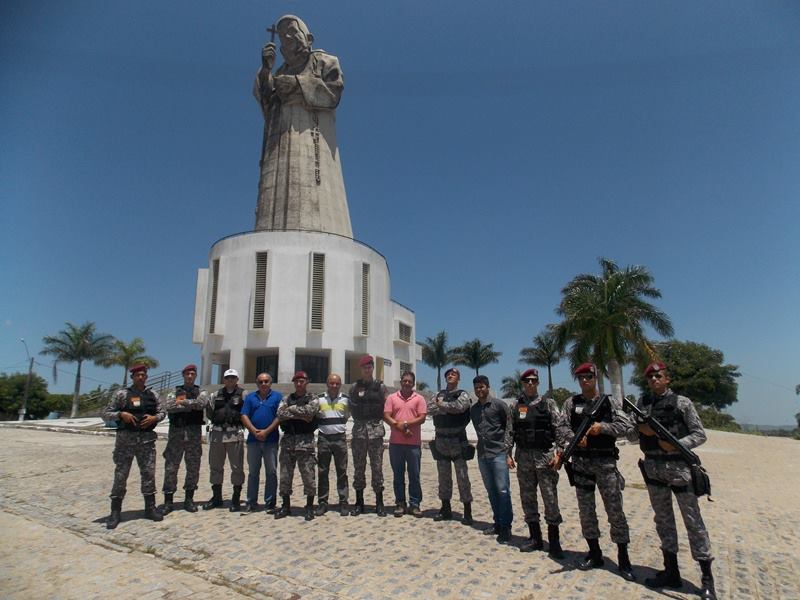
(334, 410)
(450, 412)
(226, 439)
(666, 473)
(137, 410)
(296, 414)
(595, 464)
(367, 399)
(185, 408)
(538, 428)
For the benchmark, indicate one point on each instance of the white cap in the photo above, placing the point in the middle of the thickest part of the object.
(231, 373)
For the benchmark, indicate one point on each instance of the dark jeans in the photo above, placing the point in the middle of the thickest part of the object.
(402, 457)
(257, 453)
(494, 472)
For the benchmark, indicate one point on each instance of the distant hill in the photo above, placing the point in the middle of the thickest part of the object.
(749, 427)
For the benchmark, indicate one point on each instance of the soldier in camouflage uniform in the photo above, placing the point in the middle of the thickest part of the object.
(594, 464)
(666, 473)
(450, 411)
(537, 429)
(296, 414)
(367, 401)
(185, 407)
(137, 410)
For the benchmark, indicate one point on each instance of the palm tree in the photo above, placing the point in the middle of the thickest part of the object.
(77, 344)
(545, 352)
(604, 318)
(512, 386)
(127, 355)
(436, 354)
(475, 354)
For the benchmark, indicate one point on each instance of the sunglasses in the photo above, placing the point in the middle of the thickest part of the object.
(655, 376)
(530, 380)
(585, 377)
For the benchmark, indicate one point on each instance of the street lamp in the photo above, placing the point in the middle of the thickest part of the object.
(24, 408)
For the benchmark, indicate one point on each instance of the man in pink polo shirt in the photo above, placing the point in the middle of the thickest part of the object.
(405, 412)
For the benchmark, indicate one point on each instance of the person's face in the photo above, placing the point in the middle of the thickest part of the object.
(189, 377)
(231, 381)
(293, 41)
(406, 385)
(334, 386)
(658, 382)
(139, 378)
(481, 391)
(530, 385)
(300, 385)
(588, 383)
(452, 378)
(264, 382)
(367, 371)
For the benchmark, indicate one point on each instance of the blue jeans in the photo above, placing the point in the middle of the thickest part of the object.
(494, 472)
(257, 453)
(402, 457)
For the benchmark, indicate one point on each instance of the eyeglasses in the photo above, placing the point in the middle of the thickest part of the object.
(585, 377)
(655, 376)
(262, 381)
(530, 380)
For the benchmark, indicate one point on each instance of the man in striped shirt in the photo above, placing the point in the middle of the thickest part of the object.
(334, 410)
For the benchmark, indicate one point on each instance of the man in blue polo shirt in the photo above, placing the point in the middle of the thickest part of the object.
(258, 417)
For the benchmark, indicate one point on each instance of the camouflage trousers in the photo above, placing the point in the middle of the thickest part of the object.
(130, 444)
(453, 448)
(217, 451)
(667, 478)
(361, 448)
(184, 443)
(530, 477)
(298, 452)
(601, 473)
(332, 447)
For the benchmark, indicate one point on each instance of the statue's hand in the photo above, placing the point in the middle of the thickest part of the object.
(285, 85)
(268, 56)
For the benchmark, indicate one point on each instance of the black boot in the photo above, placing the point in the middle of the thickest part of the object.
(188, 501)
(270, 508)
(116, 513)
(503, 535)
(624, 563)
(216, 498)
(445, 513)
(467, 518)
(554, 541)
(670, 577)
(707, 581)
(285, 509)
(150, 510)
(379, 509)
(594, 559)
(236, 499)
(309, 516)
(322, 508)
(167, 503)
(344, 510)
(358, 508)
(535, 541)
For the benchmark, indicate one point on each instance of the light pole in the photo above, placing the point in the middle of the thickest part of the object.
(24, 408)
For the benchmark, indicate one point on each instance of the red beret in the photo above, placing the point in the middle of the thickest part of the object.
(530, 373)
(457, 372)
(189, 368)
(138, 368)
(366, 360)
(586, 367)
(300, 375)
(654, 367)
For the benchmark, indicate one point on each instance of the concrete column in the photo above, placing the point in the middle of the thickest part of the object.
(286, 365)
(205, 371)
(337, 362)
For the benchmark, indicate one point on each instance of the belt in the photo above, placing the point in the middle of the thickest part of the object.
(332, 436)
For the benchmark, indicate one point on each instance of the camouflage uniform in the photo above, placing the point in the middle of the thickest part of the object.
(666, 476)
(185, 437)
(132, 443)
(451, 442)
(226, 438)
(599, 468)
(367, 439)
(533, 463)
(297, 442)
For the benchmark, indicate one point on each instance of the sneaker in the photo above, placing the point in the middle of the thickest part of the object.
(414, 511)
(400, 509)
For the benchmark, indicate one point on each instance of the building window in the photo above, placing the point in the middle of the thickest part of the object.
(404, 366)
(404, 333)
(268, 364)
(365, 299)
(259, 302)
(317, 291)
(214, 283)
(316, 367)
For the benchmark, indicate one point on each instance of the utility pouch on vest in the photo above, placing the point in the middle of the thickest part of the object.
(701, 484)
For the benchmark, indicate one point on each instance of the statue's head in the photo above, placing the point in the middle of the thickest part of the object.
(295, 38)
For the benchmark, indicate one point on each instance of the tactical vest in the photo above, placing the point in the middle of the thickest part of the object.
(367, 401)
(535, 431)
(602, 442)
(140, 404)
(298, 426)
(228, 407)
(192, 417)
(665, 411)
(451, 420)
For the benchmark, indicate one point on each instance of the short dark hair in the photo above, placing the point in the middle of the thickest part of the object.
(481, 379)
(411, 373)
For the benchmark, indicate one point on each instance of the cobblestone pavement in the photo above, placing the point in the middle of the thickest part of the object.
(54, 498)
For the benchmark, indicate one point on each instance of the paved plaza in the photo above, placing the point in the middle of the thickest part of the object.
(54, 498)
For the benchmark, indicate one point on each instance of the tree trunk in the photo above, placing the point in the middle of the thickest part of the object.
(615, 376)
(549, 380)
(438, 378)
(76, 394)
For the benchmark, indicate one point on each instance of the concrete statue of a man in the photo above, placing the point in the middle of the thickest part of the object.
(301, 185)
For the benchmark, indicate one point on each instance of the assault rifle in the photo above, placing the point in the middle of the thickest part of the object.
(587, 422)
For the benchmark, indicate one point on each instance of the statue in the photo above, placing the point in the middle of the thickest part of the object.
(301, 185)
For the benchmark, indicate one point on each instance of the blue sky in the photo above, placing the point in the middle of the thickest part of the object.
(491, 151)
